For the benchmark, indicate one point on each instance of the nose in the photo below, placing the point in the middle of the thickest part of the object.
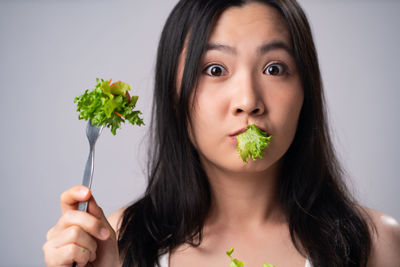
(247, 98)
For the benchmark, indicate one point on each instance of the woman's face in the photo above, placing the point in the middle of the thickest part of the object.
(248, 77)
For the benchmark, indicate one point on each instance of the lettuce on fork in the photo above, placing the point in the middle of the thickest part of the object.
(109, 104)
(252, 142)
(238, 263)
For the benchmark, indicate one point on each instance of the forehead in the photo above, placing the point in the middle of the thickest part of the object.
(253, 20)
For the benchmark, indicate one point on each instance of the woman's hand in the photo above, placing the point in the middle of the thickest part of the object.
(79, 236)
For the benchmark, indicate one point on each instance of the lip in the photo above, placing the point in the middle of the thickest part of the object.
(241, 130)
(234, 135)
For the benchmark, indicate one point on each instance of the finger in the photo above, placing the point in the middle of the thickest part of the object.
(66, 255)
(52, 254)
(50, 233)
(95, 209)
(75, 235)
(70, 198)
(85, 221)
(98, 212)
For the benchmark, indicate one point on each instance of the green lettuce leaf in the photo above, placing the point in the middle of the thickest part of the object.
(252, 142)
(234, 262)
(238, 263)
(120, 88)
(109, 105)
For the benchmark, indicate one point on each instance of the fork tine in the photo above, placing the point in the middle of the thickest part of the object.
(92, 132)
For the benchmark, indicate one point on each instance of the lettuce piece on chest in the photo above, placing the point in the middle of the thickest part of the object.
(238, 263)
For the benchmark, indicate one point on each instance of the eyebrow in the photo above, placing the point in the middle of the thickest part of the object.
(263, 49)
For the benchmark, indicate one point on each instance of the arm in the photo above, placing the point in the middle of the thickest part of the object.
(115, 219)
(385, 249)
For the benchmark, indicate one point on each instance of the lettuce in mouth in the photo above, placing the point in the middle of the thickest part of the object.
(109, 104)
(252, 142)
(238, 263)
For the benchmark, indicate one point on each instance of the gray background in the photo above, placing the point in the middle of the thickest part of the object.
(50, 51)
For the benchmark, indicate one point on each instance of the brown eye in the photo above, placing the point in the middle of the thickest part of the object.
(215, 70)
(275, 69)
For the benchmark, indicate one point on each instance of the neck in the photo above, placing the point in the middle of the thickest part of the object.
(245, 200)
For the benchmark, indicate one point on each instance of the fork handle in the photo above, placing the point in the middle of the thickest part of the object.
(87, 181)
(87, 177)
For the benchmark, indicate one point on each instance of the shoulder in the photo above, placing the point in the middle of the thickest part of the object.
(385, 240)
(115, 219)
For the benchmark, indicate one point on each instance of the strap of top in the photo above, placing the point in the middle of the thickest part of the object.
(164, 259)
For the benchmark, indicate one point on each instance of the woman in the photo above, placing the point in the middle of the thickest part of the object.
(223, 65)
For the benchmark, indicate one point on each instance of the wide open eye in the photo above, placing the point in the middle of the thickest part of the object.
(215, 70)
(275, 69)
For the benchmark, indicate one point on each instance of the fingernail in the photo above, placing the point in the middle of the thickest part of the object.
(83, 192)
(104, 233)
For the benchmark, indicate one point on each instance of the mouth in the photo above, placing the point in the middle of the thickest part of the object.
(234, 135)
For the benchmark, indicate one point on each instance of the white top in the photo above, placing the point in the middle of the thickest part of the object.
(164, 259)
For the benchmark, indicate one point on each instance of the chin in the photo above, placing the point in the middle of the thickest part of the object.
(234, 164)
(253, 166)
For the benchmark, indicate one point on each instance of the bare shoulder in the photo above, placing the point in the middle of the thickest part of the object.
(385, 240)
(115, 219)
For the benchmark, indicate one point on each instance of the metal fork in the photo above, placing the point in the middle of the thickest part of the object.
(92, 133)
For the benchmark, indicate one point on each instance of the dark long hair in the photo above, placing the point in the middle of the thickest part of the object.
(324, 220)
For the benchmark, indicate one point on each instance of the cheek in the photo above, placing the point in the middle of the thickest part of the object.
(293, 107)
(208, 110)
(285, 111)
(210, 106)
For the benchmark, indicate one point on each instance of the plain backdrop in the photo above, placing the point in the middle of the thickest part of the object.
(50, 51)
